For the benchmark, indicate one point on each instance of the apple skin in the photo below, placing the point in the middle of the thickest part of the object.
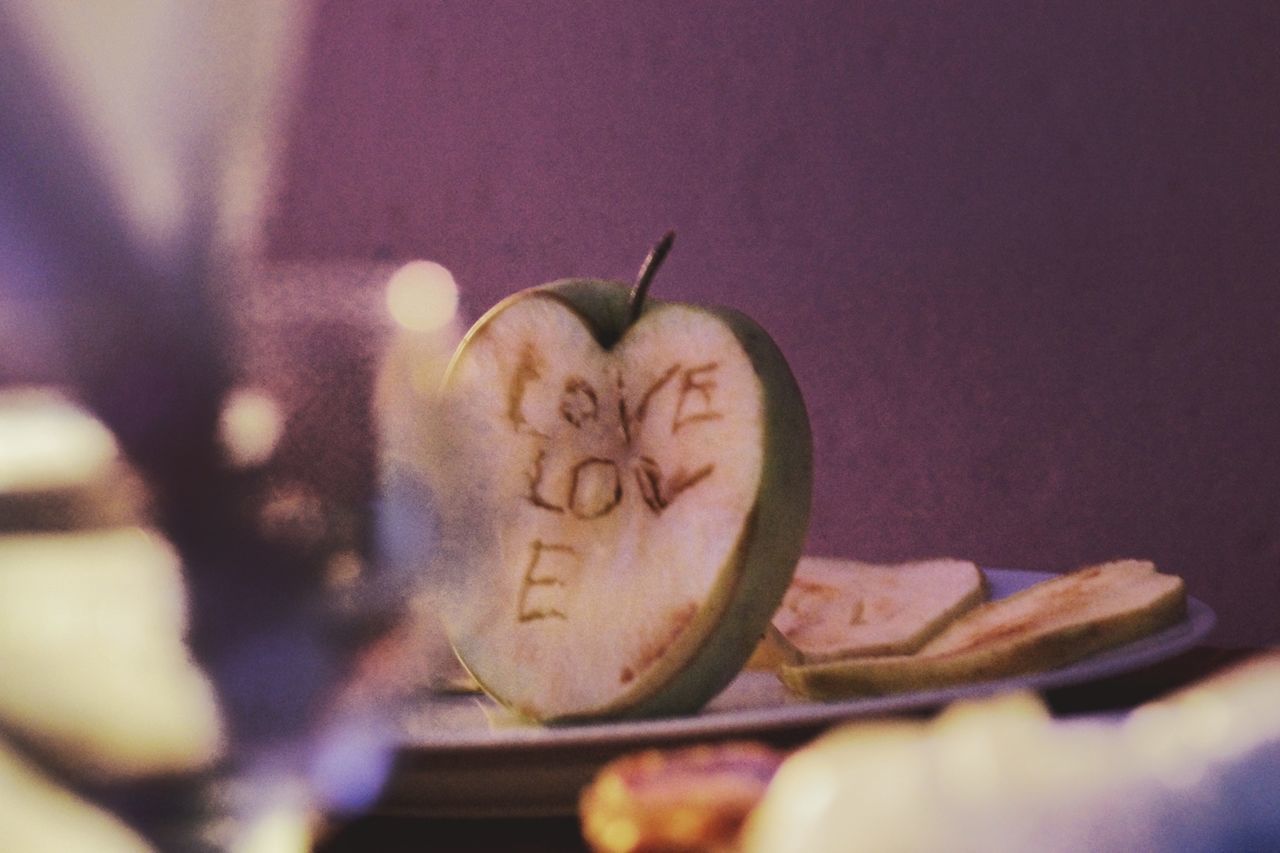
(750, 587)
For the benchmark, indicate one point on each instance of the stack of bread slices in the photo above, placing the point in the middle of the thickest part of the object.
(849, 629)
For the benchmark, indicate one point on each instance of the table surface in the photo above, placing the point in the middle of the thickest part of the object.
(393, 833)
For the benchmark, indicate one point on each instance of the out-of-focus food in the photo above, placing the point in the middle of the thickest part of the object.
(60, 468)
(94, 669)
(1050, 624)
(689, 799)
(37, 815)
(844, 608)
(95, 674)
(1196, 771)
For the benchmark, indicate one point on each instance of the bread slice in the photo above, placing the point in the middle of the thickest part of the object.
(837, 609)
(1050, 624)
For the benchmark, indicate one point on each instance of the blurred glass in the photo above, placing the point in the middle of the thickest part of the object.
(213, 501)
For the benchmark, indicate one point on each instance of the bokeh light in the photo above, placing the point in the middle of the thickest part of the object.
(422, 296)
(250, 426)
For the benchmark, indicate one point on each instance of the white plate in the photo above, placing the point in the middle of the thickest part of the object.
(466, 756)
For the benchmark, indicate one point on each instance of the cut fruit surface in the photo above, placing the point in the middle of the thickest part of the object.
(845, 608)
(627, 504)
(1053, 623)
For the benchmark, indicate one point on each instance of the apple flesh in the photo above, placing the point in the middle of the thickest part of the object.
(628, 498)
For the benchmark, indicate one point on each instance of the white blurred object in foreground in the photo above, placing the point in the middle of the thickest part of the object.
(47, 444)
(136, 141)
(421, 305)
(181, 105)
(1197, 772)
(95, 674)
(60, 468)
(92, 655)
(36, 815)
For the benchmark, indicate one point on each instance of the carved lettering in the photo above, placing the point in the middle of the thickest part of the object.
(624, 419)
(649, 479)
(595, 489)
(683, 480)
(526, 371)
(658, 492)
(657, 385)
(535, 475)
(856, 613)
(693, 404)
(548, 573)
(579, 402)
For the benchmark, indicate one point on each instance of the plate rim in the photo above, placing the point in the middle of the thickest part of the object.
(1199, 621)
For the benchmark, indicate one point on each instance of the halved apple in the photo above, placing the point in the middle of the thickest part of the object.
(628, 494)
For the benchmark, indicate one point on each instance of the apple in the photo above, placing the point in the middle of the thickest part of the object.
(628, 484)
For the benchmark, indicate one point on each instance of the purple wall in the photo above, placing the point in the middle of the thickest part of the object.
(1024, 258)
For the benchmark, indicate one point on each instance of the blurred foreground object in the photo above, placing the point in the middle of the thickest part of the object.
(1196, 772)
(60, 468)
(135, 145)
(421, 309)
(95, 675)
(689, 799)
(37, 815)
(92, 655)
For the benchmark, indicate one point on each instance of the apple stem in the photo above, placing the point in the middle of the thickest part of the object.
(635, 304)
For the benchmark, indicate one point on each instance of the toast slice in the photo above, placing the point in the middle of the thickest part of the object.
(1050, 624)
(837, 609)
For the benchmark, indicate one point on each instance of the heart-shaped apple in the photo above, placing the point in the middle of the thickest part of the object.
(630, 494)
